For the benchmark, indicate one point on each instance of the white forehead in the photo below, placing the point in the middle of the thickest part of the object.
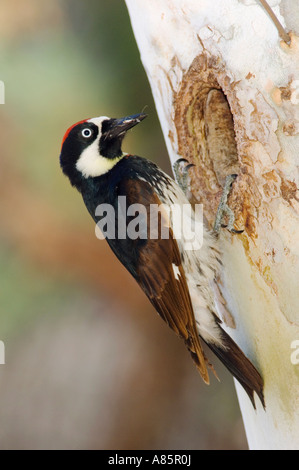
(98, 121)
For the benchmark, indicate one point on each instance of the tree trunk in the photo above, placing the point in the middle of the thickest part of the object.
(226, 85)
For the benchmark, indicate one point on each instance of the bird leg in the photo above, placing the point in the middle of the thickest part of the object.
(224, 209)
(181, 171)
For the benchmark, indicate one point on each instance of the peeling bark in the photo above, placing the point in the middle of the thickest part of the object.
(226, 87)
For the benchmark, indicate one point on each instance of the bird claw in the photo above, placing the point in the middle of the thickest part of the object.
(182, 172)
(232, 230)
(224, 209)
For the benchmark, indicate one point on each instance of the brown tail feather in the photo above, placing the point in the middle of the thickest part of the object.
(240, 367)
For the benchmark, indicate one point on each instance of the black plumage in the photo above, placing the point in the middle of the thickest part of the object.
(176, 281)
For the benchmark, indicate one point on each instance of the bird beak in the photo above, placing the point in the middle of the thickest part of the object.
(118, 127)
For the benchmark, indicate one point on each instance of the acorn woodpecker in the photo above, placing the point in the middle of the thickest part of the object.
(177, 275)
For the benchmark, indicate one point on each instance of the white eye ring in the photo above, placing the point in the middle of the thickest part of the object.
(86, 132)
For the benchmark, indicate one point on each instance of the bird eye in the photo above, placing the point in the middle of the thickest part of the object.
(86, 132)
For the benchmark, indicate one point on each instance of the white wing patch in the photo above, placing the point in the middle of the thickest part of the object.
(176, 271)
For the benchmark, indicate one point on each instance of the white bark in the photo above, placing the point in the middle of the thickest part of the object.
(188, 48)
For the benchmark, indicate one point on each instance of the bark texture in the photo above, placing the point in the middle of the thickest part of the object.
(226, 87)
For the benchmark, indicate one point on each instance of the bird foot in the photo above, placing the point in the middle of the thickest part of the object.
(224, 209)
(181, 171)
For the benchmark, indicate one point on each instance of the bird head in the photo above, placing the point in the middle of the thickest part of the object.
(92, 147)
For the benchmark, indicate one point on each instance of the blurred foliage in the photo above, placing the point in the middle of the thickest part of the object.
(85, 65)
(62, 61)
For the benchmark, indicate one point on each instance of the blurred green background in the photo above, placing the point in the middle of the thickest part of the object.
(89, 364)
